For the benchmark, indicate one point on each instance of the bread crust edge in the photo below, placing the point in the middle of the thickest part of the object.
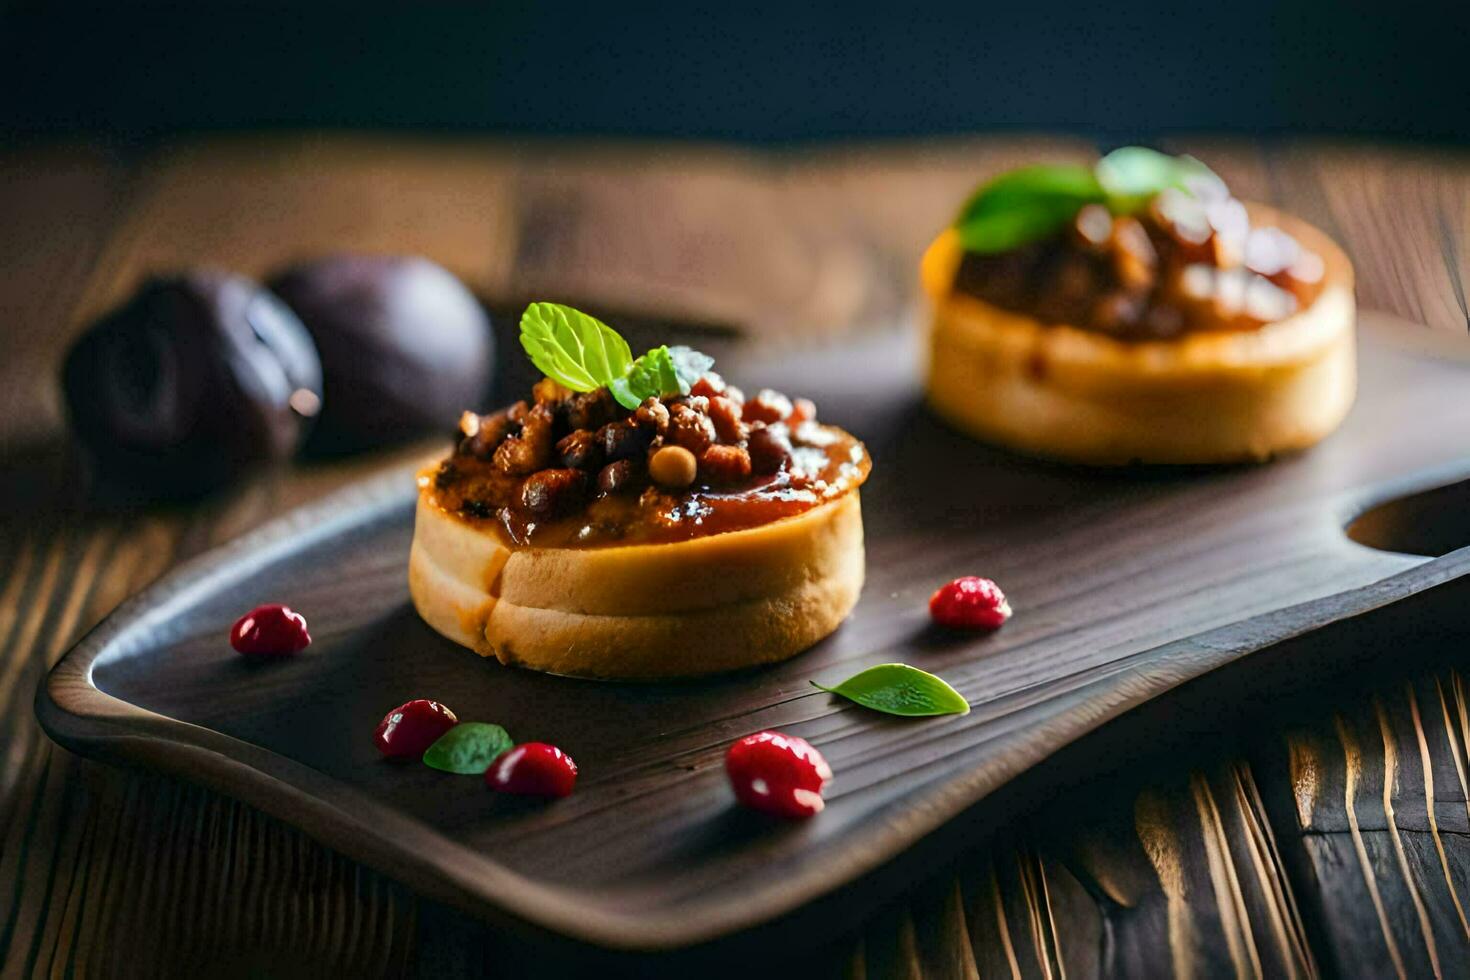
(706, 605)
(1206, 397)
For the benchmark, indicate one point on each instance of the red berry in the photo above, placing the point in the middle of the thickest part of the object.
(408, 730)
(778, 774)
(533, 769)
(272, 630)
(970, 603)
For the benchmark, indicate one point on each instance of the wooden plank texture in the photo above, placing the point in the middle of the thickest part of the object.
(836, 236)
(1129, 583)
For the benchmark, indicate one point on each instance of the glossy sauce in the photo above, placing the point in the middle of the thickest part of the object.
(1184, 264)
(825, 463)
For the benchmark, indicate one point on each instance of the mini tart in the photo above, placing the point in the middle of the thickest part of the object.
(698, 606)
(1204, 397)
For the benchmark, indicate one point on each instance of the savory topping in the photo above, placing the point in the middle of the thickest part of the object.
(408, 730)
(1140, 246)
(272, 630)
(533, 769)
(778, 774)
(969, 603)
(673, 467)
(468, 748)
(898, 689)
(613, 449)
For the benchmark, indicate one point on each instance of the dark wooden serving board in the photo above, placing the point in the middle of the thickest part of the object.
(1126, 584)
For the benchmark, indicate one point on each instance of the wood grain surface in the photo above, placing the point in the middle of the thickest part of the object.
(1130, 583)
(105, 871)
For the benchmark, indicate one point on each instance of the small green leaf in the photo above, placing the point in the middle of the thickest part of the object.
(623, 394)
(1136, 171)
(572, 348)
(1131, 175)
(468, 748)
(655, 373)
(898, 689)
(1025, 205)
(1025, 184)
(1032, 203)
(584, 354)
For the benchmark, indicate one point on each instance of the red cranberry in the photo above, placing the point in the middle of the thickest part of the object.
(970, 603)
(778, 774)
(272, 630)
(408, 730)
(533, 769)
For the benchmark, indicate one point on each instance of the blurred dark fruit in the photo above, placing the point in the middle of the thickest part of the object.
(405, 347)
(191, 381)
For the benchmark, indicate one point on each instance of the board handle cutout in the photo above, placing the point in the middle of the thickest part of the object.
(1431, 522)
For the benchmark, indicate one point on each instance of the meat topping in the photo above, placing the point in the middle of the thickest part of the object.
(580, 450)
(1189, 261)
(725, 464)
(530, 449)
(573, 469)
(691, 428)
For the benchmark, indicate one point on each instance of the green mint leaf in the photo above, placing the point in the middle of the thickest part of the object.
(572, 348)
(623, 394)
(1032, 203)
(898, 689)
(1025, 205)
(468, 748)
(582, 353)
(1072, 181)
(1131, 175)
(653, 374)
(1136, 172)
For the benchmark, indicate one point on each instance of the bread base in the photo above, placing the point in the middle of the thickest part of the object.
(1206, 397)
(702, 606)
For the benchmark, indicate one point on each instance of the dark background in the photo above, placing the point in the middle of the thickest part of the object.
(756, 72)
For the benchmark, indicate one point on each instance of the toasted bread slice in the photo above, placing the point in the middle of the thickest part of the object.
(1204, 397)
(705, 605)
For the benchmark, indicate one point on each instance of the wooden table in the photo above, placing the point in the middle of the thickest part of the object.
(1287, 852)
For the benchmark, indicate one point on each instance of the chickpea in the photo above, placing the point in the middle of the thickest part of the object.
(673, 467)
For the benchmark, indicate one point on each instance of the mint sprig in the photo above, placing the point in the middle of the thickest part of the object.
(1024, 205)
(1132, 175)
(1031, 203)
(582, 353)
(572, 348)
(898, 689)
